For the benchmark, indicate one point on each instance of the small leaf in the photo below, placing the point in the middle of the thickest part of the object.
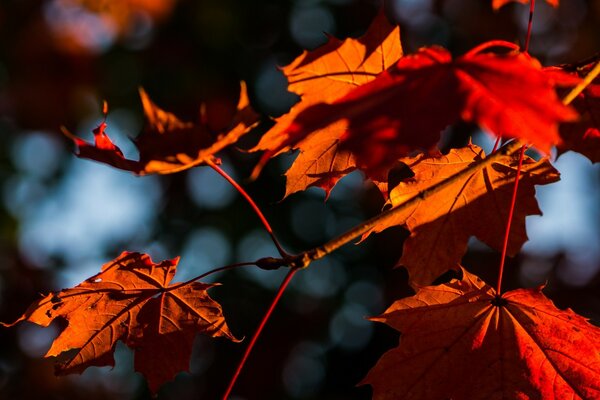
(167, 144)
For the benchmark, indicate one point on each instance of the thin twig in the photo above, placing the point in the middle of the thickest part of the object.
(252, 204)
(511, 211)
(496, 144)
(529, 25)
(260, 328)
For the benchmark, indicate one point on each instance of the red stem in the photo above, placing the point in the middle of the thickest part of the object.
(255, 208)
(496, 144)
(529, 25)
(509, 221)
(263, 322)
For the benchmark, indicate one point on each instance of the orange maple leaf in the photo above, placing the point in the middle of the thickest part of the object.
(496, 4)
(583, 136)
(130, 300)
(167, 144)
(442, 224)
(325, 75)
(408, 106)
(461, 340)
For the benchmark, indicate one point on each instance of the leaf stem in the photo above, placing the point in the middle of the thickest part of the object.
(252, 204)
(496, 144)
(513, 202)
(259, 330)
(529, 25)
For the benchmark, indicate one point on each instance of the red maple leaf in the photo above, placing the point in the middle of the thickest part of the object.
(130, 300)
(408, 106)
(461, 340)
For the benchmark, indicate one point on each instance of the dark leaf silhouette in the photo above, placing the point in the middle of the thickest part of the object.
(583, 136)
(168, 144)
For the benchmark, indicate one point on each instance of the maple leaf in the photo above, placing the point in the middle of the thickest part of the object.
(583, 136)
(130, 300)
(167, 144)
(462, 341)
(408, 106)
(442, 224)
(324, 75)
(496, 4)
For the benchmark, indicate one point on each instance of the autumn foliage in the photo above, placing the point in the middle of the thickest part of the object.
(464, 341)
(366, 105)
(132, 302)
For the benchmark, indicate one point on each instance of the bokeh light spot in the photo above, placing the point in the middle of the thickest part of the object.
(208, 189)
(308, 25)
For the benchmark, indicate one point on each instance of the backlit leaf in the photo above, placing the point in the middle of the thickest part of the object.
(130, 300)
(442, 224)
(324, 75)
(462, 341)
(407, 107)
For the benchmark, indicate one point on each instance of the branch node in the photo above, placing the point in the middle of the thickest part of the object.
(300, 261)
(271, 263)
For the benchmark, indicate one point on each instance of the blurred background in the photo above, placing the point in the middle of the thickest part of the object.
(61, 218)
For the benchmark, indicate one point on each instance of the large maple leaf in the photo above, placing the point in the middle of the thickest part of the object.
(130, 300)
(408, 106)
(442, 224)
(168, 144)
(462, 341)
(583, 136)
(325, 75)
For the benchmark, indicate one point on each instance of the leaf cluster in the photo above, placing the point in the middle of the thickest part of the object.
(367, 106)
